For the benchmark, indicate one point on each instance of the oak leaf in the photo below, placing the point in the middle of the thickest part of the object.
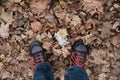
(39, 6)
(36, 26)
(4, 30)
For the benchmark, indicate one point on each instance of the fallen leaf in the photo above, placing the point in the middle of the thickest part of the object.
(22, 56)
(5, 75)
(75, 20)
(106, 69)
(93, 6)
(63, 3)
(90, 22)
(98, 56)
(63, 33)
(105, 33)
(47, 45)
(65, 51)
(61, 37)
(61, 15)
(36, 26)
(59, 12)
(39, 6)
(116, 41)
(56, 52)
(17, 1)
(102, 76)
(8, 47)
(1, 66)
(60, 73)
(4, 30)
(6, 16)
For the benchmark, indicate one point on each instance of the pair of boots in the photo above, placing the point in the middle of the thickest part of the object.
(44, 71)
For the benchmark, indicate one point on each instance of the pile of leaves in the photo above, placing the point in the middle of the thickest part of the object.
(57, 24)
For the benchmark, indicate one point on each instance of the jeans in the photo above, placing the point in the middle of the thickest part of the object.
(45, 72)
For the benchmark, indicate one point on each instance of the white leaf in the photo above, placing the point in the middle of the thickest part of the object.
(4, 30)
(60, 40)
(6, 16)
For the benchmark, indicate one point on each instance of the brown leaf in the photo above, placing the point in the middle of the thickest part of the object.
(63, 3)
(102, 76)
(36, 26)
(47, 45)
(59, 12)
(65, 51)
(76, 20)
(116, 41)
(5, 75)
(105, 33)
(63, 33)
(1, 66)
(4, 30)
(93, 6)
(60, 73)
(56, 52)
(99, 56)
(6, 16)
(39, 6)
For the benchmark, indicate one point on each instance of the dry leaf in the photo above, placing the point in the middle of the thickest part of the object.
(36, 26)
(116, 41)
(1, 66)
(47, 45)
(105, 33)
(90, 22)
(65, 51)
(76, 20)
(59, 12)
(63, 3)
(6, 16)
(5, 75)
(98, 56)
(93, 6)
(39, 6)
(60, 73)
(63, 33)
(56, 52)
(102, 76)
(8, 47)
(22, 56)
(61, 37)
(17, 1)
(4, 30)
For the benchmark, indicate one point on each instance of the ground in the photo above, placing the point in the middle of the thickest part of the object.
(57, 24)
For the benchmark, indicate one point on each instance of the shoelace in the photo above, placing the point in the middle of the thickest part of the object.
(77, 59)
(39, 59)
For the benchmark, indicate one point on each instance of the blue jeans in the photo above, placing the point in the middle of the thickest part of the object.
(45, 72)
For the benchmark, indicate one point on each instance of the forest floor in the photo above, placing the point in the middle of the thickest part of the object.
(57, 24)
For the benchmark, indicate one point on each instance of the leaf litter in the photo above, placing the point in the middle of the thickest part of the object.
(57, 24)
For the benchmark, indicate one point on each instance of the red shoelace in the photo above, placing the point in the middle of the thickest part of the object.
(39, 59)
(77, 59)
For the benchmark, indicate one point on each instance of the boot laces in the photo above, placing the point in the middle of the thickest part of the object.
(39, 58)
(77, 59)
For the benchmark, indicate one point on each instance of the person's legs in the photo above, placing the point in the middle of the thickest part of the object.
(76, 73)
(43, 71)
(79, 57)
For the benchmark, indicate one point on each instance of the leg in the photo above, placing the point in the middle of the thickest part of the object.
(76, 73)
(78, 62)
(39, 60)
(43, 72)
